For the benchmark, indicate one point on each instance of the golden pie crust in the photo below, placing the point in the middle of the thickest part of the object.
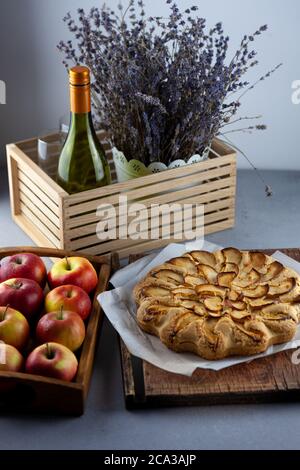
(220, 304)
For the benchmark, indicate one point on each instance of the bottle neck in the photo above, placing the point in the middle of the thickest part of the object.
(81, 120)
(80, 99)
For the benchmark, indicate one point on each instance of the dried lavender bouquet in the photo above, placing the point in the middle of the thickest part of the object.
(164, 88)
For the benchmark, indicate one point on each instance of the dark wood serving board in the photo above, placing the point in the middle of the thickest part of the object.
(271, 379)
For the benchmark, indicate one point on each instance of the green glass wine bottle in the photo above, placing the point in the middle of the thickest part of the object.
(82, 162)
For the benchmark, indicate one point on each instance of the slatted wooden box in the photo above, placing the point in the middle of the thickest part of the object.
(53, 218)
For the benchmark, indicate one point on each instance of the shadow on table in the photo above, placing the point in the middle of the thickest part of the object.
(106, 391)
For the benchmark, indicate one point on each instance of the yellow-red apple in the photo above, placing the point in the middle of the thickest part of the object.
(71, 298)
(62, 327)
(52, 360)
(10, 361)
(10, 358)
(73, 270)
(14, 328)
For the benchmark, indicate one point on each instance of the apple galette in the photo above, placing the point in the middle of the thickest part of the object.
(220, 304)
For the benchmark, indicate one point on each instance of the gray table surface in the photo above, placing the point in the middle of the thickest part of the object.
(260, 223)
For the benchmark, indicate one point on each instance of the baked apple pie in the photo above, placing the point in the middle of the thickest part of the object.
(220, 304)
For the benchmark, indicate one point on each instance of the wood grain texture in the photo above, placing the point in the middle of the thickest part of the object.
(33, 393)
(270, 379)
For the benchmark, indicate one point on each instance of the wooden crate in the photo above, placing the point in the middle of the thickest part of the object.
(34, 393)
(53, 218)
(268, 379)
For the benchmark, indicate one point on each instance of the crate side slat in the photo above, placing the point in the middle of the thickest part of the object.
(92, 238)
(202, 198)
(144, 181)
(116, 245)
(40, 214)
(34, 188)
(158, 188)
(41, 227)
(155, 244)
(213, 227)
(209, 208)
(172, 196)
(24, 191)
(33, 232)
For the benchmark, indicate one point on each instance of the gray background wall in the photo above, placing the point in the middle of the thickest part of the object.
(37, 93)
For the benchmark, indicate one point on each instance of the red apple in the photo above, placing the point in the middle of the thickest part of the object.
(71, 298)
(25, 265)
(73, 270)
(10, 358)
(61, 327)
(52, 360)
(14, 328)
(10, 361)
(23, 295)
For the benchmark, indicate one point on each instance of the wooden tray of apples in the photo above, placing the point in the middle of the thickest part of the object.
(49, 325)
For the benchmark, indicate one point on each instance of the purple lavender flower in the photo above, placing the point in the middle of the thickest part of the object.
(162, 87)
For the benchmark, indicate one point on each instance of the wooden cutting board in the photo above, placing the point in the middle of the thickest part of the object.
(271, 379)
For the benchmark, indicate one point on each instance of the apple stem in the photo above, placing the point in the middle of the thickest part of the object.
(49, 352)
(17, 285)
(60, 315)
(5, 312)
(68, 264)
